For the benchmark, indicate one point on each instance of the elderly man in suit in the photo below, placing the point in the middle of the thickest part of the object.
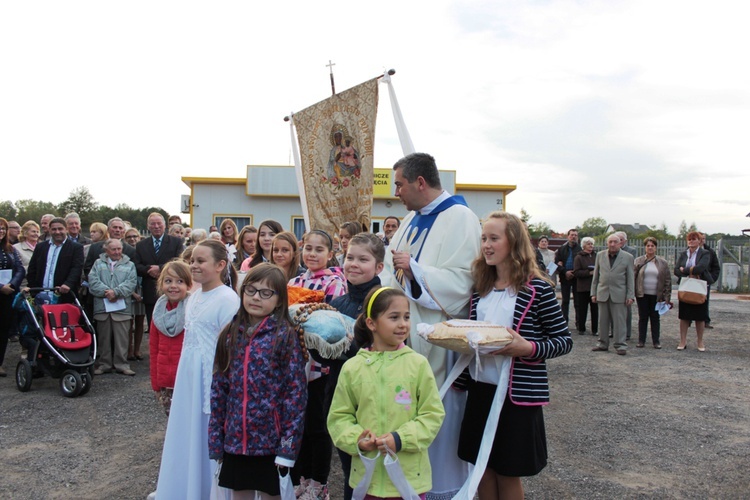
(150, 256)
(44, 225)
(73, 222)
(57, 263)
(613, 288)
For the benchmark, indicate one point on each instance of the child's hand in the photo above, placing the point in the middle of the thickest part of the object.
(386, 440)
(518, 348)
(366, 441)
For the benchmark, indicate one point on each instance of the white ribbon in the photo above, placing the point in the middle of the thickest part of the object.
(469, 489)
(407, 147)
(369, 463)
(393, 468)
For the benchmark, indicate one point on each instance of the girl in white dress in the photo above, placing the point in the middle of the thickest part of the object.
(186, 471)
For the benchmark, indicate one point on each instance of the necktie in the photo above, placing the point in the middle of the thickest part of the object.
(157, 246)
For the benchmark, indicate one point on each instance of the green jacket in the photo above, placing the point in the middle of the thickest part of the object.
(122, 280)
(392, 391)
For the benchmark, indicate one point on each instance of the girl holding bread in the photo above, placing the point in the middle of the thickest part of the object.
(511, 291)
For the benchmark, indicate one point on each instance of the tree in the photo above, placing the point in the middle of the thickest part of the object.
(540, 228)
(525, 216)
(684, 229)
(33, 210)
(662, 233)
(593, 226)
(8, 210)
(80, 201)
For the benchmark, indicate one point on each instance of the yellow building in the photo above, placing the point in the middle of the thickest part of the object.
(270, 192)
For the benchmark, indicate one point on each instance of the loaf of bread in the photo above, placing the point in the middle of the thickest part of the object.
(462, 335)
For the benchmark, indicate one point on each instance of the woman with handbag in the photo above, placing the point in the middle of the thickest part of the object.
(652, 284)
(693, 263)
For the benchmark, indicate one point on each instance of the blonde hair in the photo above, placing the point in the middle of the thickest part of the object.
(177, 268)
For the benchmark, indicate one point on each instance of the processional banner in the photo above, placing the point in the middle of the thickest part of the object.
(336, 142)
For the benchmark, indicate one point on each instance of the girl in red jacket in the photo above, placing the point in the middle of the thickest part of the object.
(167, 328)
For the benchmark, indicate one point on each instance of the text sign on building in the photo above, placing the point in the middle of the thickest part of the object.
(381, 179)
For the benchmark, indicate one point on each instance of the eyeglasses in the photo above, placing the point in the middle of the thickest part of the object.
(265, 293)
(132, 237)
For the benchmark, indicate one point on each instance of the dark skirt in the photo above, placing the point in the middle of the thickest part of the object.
(520, 445)
(693, 312)
(242, 472)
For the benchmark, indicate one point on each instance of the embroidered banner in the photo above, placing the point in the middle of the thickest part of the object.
(336, 142)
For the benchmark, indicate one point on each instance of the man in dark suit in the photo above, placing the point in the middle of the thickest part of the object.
(613, 288)
(564, 258)
(151, 254)
(57, 263)
(73, 222)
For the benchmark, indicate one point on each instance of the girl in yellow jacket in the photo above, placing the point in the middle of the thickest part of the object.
(386, 409)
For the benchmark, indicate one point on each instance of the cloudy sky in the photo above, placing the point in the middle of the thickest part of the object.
(631, 111)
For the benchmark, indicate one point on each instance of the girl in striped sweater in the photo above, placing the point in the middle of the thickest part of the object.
(512, 292)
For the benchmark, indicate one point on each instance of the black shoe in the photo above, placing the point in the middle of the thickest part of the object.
(709, 326)
(14, 338)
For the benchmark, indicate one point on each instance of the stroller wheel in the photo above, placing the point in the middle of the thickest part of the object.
(86, 379)
(24, 375)
(71, 383)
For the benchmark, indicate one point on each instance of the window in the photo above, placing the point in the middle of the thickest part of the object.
(298, 227)
(240, 221)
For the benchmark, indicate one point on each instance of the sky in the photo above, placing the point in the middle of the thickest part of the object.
(631, 111)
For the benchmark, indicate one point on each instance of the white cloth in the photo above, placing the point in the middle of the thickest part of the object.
(447, 252)
(407, 147)
(497, 307)
(186, 471)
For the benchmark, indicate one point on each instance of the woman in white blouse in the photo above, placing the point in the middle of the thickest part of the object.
(653, 284)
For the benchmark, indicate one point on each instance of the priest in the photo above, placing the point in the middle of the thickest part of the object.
(430, 258)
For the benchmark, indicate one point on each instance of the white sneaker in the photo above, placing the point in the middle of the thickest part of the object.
(151, 496)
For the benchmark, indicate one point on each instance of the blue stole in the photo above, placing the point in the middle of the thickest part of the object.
(415, 235)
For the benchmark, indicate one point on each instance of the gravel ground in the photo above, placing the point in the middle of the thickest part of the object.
(652, 424)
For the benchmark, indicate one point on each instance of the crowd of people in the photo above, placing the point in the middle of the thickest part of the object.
(609, 282)
(252, 413)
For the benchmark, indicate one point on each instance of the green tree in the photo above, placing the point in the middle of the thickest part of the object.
(525, 216)
(593, 226)
(661, 233)
(80, 201)
(33, 210)
(8, 210)
(540, 228)
(684, 229)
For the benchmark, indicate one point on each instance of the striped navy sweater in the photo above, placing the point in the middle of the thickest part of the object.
(544, 326)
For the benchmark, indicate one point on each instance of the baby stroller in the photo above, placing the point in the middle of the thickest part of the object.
(60, 342)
